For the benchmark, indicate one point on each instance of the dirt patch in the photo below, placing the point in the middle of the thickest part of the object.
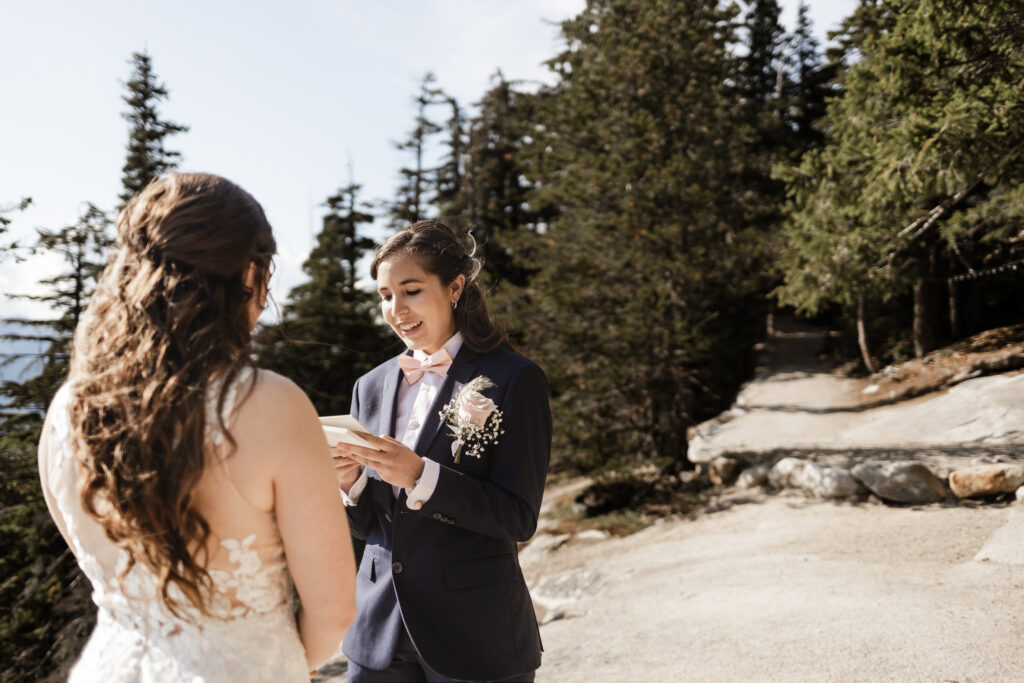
(998, 350)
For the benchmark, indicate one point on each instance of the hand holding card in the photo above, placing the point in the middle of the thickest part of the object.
(342, 429)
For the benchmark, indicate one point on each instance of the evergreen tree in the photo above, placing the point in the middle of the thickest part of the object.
(5, 220)
(449, 180)
(411, 204)
(83, 247)
(148, 157)
(811, 82)
(762, 71)
(496, 187)
(644, 308)
(766, 95)
(47, 611)
(328, 336)
(921, 178)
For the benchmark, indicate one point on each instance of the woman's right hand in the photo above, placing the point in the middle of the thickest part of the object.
(346, 469)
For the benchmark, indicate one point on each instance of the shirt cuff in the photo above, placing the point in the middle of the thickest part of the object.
(424, 488)
(354, 491)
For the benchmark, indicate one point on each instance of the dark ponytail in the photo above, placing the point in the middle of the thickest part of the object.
(442, 253)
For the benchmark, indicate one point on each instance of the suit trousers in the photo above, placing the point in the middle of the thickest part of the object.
(408, 667)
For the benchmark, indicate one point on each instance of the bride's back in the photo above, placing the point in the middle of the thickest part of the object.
(182, 477)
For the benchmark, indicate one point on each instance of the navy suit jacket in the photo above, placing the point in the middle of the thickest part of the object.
(450, 570)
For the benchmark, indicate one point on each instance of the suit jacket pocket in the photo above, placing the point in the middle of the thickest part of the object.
(368, 567)
(480, 571)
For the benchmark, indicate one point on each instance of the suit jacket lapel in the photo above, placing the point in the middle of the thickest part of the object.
(462, 369)
(389, 403)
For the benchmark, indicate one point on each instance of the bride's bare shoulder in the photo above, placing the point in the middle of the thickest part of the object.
(274, 401)
(277, 391)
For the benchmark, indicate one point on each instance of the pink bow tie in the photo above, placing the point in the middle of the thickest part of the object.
(437, 363)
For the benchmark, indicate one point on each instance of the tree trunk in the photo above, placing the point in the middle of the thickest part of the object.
(928, 298)
(862, 337)
(957, 324)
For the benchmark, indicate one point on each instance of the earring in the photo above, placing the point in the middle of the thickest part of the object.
(455, 304)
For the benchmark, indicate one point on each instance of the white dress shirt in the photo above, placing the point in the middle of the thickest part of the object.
(414, 403)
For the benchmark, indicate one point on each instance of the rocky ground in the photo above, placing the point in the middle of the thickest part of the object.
(774, 582)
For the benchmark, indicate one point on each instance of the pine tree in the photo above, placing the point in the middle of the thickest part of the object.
(5, 220)
(148, 157)
(83, 248)
(497, 190)
(921, 178)
(645, 306)
(411, 203)
(450, 185)
(328, 335)
(811, 82)
(48, 612)
(762, 71)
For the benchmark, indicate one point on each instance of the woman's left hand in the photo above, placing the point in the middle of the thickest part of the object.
(395, 462)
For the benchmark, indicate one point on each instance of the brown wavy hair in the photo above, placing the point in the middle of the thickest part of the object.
(441, 252)
(170, 317)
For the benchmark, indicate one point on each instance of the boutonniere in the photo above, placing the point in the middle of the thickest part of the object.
(473, 418)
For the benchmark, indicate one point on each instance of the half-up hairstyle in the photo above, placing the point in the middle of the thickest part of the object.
(168, 324)
(441, 253)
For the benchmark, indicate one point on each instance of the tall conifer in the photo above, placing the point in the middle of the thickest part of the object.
(82, 247)
(148, 156)
(328, 335)
(412, 201)
(643, 311)
(920, 181)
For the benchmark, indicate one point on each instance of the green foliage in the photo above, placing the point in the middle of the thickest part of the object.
(761, 71)
(47, 612)
(328, 336)
(147, 156)
(811, 83)
(645, 306)
(411, 204)
(499, 194)
(82, 247)
(920, 176)
(5, 220)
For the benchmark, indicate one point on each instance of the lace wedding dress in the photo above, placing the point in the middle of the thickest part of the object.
(250, 633)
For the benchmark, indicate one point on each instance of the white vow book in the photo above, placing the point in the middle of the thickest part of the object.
(342, 428)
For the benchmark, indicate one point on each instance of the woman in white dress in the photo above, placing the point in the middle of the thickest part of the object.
(192, 487)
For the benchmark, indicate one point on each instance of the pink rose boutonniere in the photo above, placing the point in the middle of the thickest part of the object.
(473, 418)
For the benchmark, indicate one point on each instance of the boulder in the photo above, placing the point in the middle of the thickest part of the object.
(986, 480)
(1020, 494)
(753, 477)
(825, 481)
(902, 481)
(723, 471)
(700, 450)
(783, 473)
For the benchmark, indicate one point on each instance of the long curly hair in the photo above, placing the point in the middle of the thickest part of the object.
(169, 322)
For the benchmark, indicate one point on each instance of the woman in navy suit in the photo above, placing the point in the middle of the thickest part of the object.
(440, 595)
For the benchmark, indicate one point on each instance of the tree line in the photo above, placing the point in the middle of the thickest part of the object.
(692, 167)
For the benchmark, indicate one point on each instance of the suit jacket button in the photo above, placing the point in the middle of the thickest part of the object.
(397, 567)
(437, 515)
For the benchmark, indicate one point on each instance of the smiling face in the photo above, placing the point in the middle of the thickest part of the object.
(415, 303)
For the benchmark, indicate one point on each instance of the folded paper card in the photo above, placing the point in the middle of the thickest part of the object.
(342, 428)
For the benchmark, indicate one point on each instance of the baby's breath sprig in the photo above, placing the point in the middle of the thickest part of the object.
(473, 419)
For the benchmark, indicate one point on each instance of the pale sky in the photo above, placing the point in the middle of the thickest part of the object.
(280, 96)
